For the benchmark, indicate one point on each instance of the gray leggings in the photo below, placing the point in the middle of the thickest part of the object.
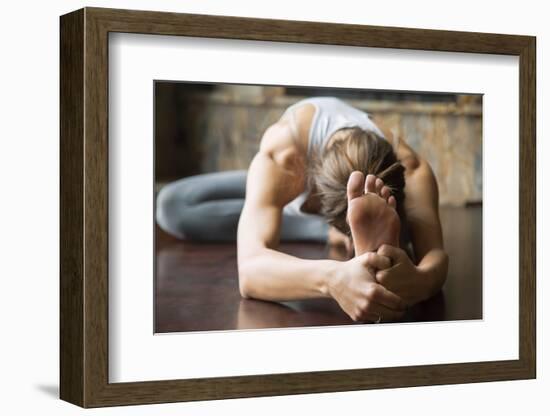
(207, 207)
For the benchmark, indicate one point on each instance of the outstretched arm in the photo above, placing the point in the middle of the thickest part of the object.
(264, 272)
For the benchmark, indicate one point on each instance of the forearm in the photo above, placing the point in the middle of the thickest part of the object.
(432, 270)
(272, 275)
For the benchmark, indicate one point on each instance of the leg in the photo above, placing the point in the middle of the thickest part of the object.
(207, 207)
(310, 227)
(203, 207)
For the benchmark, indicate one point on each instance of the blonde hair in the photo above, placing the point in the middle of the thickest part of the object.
(360, 150)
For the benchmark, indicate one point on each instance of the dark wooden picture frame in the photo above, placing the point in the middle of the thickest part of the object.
(84, 207)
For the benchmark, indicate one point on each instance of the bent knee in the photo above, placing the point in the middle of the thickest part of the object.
(169, 212)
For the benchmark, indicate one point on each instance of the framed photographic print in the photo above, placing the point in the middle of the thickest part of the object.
(255, 207)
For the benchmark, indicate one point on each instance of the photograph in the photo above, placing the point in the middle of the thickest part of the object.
(335, 207)
(294, 206)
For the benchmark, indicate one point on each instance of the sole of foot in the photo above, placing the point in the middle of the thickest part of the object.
(372, 216)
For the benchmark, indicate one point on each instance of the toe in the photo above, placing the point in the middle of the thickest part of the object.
(392, 202)
(356, 183)
(378, 186)
(385, 192)
(370, 183)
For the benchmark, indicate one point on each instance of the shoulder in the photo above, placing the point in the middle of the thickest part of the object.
(405, 154)
(279, 165)
(278, 144)
(408, 157)
(298, 118)
(305, 110)
(421, 184)
(416, 167)
(291, 131)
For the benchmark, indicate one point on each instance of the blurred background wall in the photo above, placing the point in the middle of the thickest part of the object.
(210, 127)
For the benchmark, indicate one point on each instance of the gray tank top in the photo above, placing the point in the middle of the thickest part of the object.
(331, 115)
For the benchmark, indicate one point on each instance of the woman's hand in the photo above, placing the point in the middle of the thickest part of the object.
(360, 296)
(403, 278)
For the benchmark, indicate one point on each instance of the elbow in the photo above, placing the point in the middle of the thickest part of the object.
(244, 288)
(445, 261)
(444, 268)
(250, 267)
(436, 273)
(245, 283)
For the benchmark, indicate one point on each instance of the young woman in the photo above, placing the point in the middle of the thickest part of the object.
(323, 172)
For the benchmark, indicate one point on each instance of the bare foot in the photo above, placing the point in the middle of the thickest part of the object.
(371, 216)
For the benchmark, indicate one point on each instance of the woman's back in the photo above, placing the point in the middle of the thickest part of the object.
(329, 114)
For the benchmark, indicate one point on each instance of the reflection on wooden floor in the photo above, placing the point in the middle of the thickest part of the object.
(197, 288)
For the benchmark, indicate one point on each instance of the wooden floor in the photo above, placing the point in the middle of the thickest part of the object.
(197, 288)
